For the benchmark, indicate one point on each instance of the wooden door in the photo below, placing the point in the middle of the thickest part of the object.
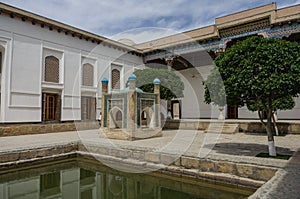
(50, 106)
(176, 110)
(232, 112)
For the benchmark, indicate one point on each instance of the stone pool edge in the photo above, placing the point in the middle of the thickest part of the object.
(238, 174)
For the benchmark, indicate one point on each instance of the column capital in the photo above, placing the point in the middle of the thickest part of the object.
(170, 62)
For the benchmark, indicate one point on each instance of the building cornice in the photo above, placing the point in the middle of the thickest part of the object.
(258, 15)
(62, 28)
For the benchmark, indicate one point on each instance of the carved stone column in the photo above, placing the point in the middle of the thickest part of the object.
(170, 62)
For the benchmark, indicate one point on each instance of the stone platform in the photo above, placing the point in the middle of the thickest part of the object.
(124, 134)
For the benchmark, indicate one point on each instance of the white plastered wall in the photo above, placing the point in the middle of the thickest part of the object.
(26, 45)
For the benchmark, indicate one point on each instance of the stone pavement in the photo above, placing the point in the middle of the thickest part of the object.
(13, 143)
(285, 184)
(238, 147)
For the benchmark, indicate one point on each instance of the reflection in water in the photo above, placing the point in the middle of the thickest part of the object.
(81, 180)
(87, 184)
(50, 185)
(117, 188)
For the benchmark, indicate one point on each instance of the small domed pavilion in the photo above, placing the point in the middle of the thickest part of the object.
(131, 114)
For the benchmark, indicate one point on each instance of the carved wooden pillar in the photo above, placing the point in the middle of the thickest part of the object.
(170, 62)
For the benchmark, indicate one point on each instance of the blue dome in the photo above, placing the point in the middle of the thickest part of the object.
(132, 77)
(156, 81)
(104, 80)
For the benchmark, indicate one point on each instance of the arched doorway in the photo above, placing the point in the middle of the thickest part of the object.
(175, 109)
(115, 118)
(147, 118)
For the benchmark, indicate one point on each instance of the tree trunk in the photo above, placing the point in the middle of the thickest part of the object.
(275, 124)
(271, 143)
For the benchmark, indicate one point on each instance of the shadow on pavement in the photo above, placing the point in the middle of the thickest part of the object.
(245, 149)
(288, 185)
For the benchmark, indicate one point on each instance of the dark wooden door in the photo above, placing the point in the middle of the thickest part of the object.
(232, 112)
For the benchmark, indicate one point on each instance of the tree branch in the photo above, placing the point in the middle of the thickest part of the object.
(259, 113)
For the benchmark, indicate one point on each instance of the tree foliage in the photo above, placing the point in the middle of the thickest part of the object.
(263, 74)
(171, 84)
(214, 89)
(284, 103)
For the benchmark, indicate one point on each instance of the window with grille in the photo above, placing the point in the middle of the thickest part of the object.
(115, 79)
(51, 69)
(87, 75)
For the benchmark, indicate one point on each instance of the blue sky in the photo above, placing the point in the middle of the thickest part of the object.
(139, 20)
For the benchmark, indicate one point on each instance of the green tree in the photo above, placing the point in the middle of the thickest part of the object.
(263, 74)
(171, 84)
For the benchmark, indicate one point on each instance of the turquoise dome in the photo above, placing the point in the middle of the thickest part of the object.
(104, 80)
(156, 81)
(132, 77)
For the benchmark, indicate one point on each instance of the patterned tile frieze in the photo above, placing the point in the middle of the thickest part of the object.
(263, 28)
(281, 31)
(244, 28)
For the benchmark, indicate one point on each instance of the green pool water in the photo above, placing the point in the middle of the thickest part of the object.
(81, 179)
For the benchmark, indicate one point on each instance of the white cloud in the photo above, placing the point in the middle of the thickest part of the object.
(109, 17)
(140, 35)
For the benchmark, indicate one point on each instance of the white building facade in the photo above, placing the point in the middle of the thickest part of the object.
(52, 72)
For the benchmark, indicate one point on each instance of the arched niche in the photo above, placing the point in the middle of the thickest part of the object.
(115, 118)
(147, 118)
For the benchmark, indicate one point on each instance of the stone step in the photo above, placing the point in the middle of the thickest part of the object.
(224, 128)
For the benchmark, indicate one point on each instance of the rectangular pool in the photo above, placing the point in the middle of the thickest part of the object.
(83, 179)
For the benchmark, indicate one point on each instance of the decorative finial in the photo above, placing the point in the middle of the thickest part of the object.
(132, 77)
(104, 80)
(156, 81)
